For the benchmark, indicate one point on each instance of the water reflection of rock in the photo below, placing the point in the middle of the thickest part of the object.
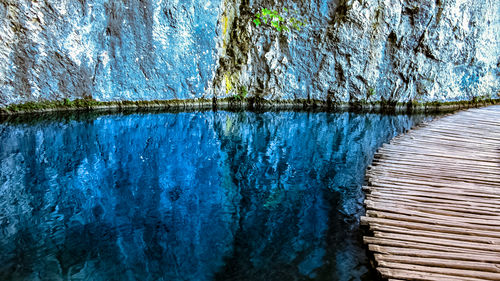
(121, 198)
(188, 196)
(300, 188)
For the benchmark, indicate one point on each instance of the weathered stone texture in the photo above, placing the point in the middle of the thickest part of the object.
(351, 50)
(110, 50)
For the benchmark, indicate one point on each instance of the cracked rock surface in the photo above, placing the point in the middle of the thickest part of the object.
(350, 50)
(109, 50)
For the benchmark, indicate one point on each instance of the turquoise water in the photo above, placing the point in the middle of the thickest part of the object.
(187, 196)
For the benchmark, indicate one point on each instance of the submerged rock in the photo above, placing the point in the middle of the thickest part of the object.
(350, 50)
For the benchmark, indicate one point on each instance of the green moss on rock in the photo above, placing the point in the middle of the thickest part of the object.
(244, 103)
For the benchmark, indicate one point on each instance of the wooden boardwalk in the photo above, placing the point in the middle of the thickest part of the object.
(433, 200)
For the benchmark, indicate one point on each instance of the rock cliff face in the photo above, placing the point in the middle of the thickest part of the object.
(370, 50)
(349, 50)
(110, 50)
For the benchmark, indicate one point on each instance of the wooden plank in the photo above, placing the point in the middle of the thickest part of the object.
(448, 172)
(433, 200)
(469, 129)
(453, 133)
(439, 221)
(488, 138)
(420, 276)
(479, 194)
(455, 128)
(438, 149)
(440, 175)
(438, 241)
(424, 216)
(429, 226)
(442, 270)
(430, 139)
(426, 197)
(391, 192)
(426, 182)
(436, 137)
(440, 262)
(394, 207)
(458, 257)
(436, 166)
(387, 181)
(432, 159)
(474, 128)
(381, 185)
(430, 155)
(418, 199)
(423, 246)
(434, 207)
(457, 168)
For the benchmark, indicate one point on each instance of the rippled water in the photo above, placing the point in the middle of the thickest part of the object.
(187, 196)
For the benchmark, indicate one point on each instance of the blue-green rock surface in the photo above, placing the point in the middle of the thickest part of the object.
(349, 50)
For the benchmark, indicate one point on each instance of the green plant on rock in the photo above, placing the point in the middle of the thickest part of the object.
(286, 21)
(370, 93)
(241, 95)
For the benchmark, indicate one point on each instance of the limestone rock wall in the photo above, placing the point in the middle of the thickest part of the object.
(370, 50)
(110, 50)
(350, 50)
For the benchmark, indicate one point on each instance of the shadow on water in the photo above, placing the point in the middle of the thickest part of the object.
(188, 196)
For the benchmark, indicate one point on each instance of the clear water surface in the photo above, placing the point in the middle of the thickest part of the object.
(188, 196)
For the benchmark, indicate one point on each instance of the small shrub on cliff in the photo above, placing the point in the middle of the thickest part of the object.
(242, 94)
(370, 93)
(281, 22)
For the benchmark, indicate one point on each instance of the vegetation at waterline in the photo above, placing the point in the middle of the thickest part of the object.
(89, 103)
(370, 93)
(242, 94)
(47, 105)
(287, 20)
(239, 100)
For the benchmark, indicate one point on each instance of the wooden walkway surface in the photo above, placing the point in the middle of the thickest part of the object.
(433, 200)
